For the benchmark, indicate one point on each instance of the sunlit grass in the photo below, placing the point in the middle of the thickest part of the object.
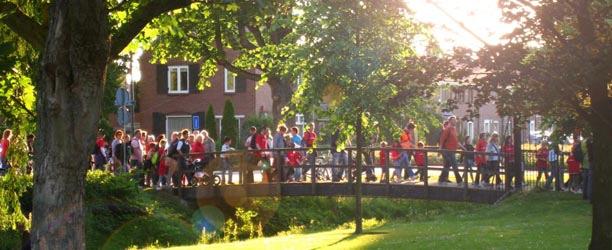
(545, 220)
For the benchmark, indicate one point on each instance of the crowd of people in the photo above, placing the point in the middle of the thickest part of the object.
(161, 162)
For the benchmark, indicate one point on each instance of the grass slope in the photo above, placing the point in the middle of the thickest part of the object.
(544, 220)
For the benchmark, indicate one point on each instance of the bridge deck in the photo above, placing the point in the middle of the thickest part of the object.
(411, 191)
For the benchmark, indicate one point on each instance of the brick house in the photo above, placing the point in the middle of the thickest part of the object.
(488, 120)
(168, 99)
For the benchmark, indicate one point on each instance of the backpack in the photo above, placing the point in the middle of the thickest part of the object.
(121, 148)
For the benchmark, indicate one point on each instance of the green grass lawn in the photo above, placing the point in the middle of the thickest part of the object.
(538, 220)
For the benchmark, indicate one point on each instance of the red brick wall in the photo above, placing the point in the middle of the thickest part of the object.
(186, 104)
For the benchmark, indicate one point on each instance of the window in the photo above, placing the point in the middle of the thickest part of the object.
(470, 130)
(487, 126)
(239, 118)
(178, 79)
(177, 123)
(230, 81)
(495, 126)
(470, 96)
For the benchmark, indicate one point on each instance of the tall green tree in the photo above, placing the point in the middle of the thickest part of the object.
(211, 124)
(75, 41)
(360, 61)
(558, 61)
(229, 123)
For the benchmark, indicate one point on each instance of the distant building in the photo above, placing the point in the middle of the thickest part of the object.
(487, 121)
(168, 99)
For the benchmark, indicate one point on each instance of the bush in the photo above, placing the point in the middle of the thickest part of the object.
(257, 121)
(105, 185)
(229, 123)
(210, 124)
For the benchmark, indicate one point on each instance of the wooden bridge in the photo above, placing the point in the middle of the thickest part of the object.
(449, 192)
(243, 165)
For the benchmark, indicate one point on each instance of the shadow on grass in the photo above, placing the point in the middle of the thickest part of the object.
(350, 237)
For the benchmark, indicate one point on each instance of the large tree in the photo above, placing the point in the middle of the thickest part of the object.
(250, 38)
(359, 58)
(75, 40)
(559, 58)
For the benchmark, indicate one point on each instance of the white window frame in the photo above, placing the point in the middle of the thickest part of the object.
(168, 132)
(178, 78)
(487, 126)
(227, 73)
(470, 129)
(495, 126)
(219, 118)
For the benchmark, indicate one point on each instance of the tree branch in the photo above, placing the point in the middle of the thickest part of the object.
(222, 59)
(141, 17)
(23, 106)
(244, 41)
(258, 37)
(24, 26)
(119, 6)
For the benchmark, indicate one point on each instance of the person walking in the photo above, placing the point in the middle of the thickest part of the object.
(493, 154)
(508, 154)
(542, 162)
(468, 158)
(339, 158)
(481, 159)
(278, 142)
(449, 143)
(225, 159)
(406, 142)
(136, 159)
(5, 144)
(553, 162)
(308, 141)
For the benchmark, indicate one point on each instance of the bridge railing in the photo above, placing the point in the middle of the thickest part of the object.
(271, 166)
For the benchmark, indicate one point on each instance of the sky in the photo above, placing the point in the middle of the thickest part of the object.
(483, 17)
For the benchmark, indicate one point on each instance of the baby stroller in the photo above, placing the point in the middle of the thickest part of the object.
(202, 176)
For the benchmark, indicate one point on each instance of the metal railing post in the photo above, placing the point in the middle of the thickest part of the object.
(426, 172)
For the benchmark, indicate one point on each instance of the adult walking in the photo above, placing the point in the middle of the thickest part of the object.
(5, 144)
(553, 161)
(308, 140)
(493, 154)
(136, 159)
(511, 169)
(339, 158)
(449, 143)
(407, 143)
(278, 142)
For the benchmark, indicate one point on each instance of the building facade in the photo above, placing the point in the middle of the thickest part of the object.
(169, 100)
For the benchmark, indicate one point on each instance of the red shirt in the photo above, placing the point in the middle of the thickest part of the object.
(100, 142)
(508, 151)
(309, 138)
(4, 144)
(394, 155)
(449, 140)
(481, 146)
(197, 150)
(294, 158)
(405, 140)
(382, 155)
(163, 169)
(419, 158)
(542, 156)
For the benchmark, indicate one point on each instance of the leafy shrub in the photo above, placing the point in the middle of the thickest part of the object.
(105, 185)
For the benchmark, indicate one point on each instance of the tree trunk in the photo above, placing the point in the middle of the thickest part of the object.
(601, 237)
(358, 221)
(69, 85)
(281, 96)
